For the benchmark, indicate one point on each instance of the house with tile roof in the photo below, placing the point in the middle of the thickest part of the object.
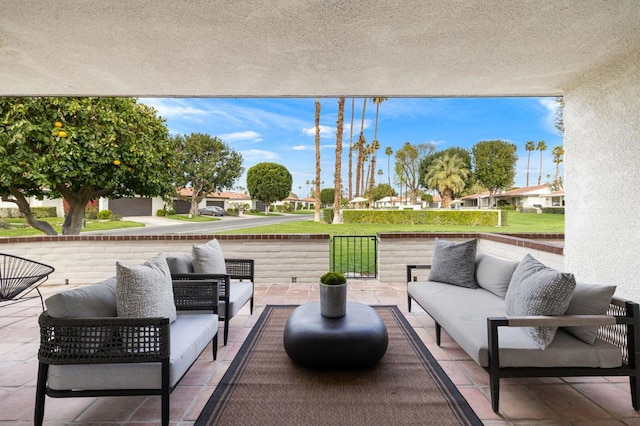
(535, 197)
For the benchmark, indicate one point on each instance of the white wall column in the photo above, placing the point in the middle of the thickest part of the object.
(602, 176)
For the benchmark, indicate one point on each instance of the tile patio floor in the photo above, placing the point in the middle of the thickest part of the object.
(551, 401)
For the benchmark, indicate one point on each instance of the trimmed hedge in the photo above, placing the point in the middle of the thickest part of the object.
(556, 210)
(423, 217)
(327, 214)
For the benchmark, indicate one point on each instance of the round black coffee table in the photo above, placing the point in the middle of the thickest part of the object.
(357, 340)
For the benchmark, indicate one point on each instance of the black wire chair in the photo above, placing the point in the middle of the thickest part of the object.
(19, 277)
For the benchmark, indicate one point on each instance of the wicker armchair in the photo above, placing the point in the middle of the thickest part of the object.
(115, 356)
(232, 296)
(19, 277)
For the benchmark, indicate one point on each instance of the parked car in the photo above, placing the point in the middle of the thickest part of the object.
(212, 211)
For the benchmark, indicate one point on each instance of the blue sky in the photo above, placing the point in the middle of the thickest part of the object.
(281, 130)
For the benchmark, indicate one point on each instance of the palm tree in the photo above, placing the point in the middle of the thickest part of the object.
(542, 146)
(530, 146)
(337, 181)
(351, 146)
(317, 188)
(447, 174)
(375, 144)
(361, 142)
(558, 153)
(388, 152)
(380, 173)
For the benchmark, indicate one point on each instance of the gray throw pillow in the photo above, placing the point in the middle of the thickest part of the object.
(589, 299)
(208, 258)
(145, 290)
(536, 289)
(180, 264)
(96, 300)
(454, 263)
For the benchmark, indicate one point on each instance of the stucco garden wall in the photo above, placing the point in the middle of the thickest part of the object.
(602, 169)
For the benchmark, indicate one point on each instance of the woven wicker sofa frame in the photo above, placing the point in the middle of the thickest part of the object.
(237, 269)
(620, 327)
(71, 341)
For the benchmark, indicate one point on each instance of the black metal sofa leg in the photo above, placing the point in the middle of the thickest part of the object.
(635, 396)
(38, 415)
(226, 329)
(494, 385)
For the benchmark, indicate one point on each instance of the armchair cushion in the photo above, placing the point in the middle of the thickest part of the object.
(239, 294)
(98, 300)
(180, 264)
(494, 274)
(145, 290)
(208, 258)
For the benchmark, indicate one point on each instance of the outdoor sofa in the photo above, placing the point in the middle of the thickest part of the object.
(134, 334)
(557, 327)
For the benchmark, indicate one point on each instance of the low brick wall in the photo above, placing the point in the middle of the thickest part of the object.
(89, 259)
(281, 259)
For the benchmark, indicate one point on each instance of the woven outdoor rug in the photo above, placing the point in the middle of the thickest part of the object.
(264, 387)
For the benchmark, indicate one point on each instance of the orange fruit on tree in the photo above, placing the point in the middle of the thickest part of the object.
(57, 124)
(116, 162)
(62, 134)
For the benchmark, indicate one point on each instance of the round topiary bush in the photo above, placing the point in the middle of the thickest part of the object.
(105, 214)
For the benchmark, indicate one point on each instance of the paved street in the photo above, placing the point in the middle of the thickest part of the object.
(158, 225)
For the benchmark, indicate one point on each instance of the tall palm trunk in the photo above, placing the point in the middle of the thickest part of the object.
(337, 198)
(528, 160)
(317, 191)
(353, 104)
(360, 159)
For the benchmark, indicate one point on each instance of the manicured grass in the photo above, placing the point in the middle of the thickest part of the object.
(92, 225)
(518, 223)
(186, 218)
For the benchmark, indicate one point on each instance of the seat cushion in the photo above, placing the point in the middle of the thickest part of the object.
(240, 292)
(191, 332)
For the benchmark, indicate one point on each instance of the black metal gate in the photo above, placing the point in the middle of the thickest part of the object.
(356, 256)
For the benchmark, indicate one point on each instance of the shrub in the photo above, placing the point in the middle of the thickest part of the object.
(10, 212)
(232, 212)
(555, 210)
(91, 212)
(4, 224)
(171, 212)
(333, 278)
(105, 214)
(327, 214)
(529, 210)
(422, 217)
(161, 212)
(116, 218)
(42, 212)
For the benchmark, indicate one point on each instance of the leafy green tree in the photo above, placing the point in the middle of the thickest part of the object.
(383, 190)
(495, 165)
(407, 167)
(559, 118)
(81, 149)
(462, 153)
(447, 175)
(206, 164)
(327, 196)
(269, 182)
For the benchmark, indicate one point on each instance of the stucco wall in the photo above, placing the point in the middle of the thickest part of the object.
(602, 169)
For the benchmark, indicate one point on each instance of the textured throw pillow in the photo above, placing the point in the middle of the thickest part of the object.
(454, 263)
(589, 299)
(145, 290)
(536, 289)
(208, 258)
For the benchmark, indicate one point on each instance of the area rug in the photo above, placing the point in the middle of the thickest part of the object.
(264, 387)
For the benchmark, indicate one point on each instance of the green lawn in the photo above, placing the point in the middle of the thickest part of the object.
(186, 218)
(19, 229)
(518, 223)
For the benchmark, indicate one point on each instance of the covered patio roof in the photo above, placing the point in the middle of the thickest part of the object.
(311, 48)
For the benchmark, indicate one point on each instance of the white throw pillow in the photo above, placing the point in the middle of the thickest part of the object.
(145, 290)
(208, 258)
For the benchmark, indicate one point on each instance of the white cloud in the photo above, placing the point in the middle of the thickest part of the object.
(325, 131)
(258, 155)
(247, 135)
(549, 121)
(301, 148)
(173, 107)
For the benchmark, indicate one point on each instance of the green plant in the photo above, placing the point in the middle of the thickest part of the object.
(105, 214)
(161, 212)
(333, 278)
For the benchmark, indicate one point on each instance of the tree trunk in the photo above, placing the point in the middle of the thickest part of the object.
(353, 103)
(316, 217)
(25, 209)
(447, 197)
(75, 218)
(337, 181)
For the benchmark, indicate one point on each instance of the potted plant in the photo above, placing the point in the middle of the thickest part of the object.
(333, 295)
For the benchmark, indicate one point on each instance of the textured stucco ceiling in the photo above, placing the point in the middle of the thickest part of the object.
(309, 47)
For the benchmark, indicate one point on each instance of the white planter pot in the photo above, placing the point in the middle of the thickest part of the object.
(333, 300)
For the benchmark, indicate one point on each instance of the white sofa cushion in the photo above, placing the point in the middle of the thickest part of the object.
(494, 274)
(96, 300)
